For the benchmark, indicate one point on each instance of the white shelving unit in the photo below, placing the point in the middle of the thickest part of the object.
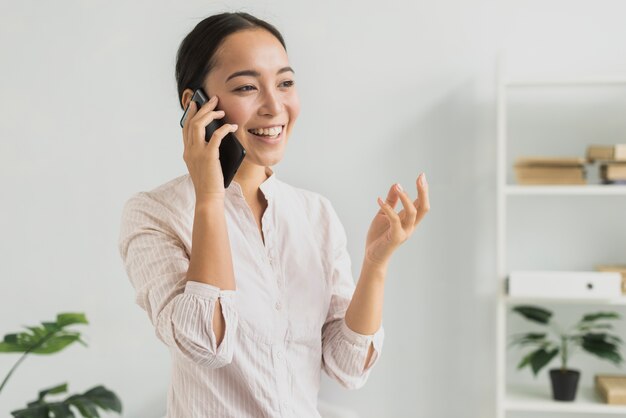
(537, 398)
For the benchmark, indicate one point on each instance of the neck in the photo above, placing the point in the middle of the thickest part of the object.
(249, 177)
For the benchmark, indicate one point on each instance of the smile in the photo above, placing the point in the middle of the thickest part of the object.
(271, 135)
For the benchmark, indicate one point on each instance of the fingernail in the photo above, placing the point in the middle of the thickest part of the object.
(234, 126)
(423, 179)
(399, 187)
(214, 98)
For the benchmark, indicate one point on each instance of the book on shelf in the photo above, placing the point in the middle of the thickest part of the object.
(611, 388)
(550, 161)
(613, 172)
(565, 284)
(550, 170)
(615, 152)
(619, 268)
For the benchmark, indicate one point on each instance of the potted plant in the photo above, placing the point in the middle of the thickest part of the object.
(591, 334)
(50, 338)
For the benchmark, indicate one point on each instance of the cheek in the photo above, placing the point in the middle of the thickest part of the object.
(235, 111)
(294, 108)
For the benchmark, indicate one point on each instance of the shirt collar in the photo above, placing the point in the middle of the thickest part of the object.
(268, 186)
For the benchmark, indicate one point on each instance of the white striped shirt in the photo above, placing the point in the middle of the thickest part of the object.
(284, 323)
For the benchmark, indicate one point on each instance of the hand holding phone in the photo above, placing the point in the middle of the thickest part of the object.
(203, 121)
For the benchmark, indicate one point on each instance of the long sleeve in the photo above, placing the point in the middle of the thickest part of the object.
(344, 351)
(181, 311)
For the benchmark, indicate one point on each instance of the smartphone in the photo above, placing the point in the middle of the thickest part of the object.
(232, 152)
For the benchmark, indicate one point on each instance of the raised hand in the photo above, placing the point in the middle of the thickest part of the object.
(390, 229)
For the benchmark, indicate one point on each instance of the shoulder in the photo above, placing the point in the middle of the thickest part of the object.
(170, 198)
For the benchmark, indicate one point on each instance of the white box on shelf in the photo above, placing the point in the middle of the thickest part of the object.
(565, 284)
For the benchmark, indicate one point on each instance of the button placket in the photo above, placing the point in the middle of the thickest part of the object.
(282, 378)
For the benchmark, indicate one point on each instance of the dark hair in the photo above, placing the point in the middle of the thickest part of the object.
(195, 57)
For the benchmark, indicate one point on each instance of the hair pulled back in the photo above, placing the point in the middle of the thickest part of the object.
(196, 53)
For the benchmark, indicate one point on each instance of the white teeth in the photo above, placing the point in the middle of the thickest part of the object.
(268, 132)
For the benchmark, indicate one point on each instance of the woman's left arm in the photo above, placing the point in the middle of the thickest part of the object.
(386, 233)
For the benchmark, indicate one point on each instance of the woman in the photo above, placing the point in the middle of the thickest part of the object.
(251, 286)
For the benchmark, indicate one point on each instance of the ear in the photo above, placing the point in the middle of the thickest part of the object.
(187, 95)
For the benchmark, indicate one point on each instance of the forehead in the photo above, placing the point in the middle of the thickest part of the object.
(251, 48)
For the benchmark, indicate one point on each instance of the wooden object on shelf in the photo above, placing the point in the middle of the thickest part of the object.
(606, 152)
(550, 170)
(612, 388)
(613, 171)
(617, 268)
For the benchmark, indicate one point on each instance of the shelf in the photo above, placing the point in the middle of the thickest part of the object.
(547, 82)
(538, 398)
(524, 300)
(589, 190)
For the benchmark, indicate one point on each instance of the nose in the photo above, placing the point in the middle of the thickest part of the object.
(271, 103)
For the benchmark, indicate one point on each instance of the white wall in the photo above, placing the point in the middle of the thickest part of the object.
(89, 115)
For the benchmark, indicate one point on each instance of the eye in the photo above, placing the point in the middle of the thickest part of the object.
(245, 88)
(287, 83)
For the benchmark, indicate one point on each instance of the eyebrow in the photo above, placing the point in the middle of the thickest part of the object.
(254, 73)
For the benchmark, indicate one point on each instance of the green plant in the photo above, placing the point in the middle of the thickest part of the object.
(50, 338)
(589, 334)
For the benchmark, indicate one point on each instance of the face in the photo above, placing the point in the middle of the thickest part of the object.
(256, 90)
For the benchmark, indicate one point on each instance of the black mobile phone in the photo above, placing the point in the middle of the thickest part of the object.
(232, 152)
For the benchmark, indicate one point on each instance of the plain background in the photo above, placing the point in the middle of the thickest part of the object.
(89, 116)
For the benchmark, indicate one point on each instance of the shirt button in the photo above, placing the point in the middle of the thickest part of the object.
(278, 306)
(279, 355)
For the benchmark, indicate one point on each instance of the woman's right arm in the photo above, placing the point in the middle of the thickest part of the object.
(182, 311)
(211, 259)
(189, 298)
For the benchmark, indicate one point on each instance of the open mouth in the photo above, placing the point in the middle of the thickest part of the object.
(268, 134)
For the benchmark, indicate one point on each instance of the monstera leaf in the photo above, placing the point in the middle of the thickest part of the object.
(87, 404)
(49, 338)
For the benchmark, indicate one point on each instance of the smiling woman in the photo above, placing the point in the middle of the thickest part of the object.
(250, 286)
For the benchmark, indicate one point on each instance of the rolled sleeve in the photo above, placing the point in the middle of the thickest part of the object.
(181, 311)
(345, 353)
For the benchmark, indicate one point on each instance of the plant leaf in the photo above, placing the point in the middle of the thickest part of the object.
(600, 315)
(86, 403)
(529, 339)
(62, 388)
(61, 410)
(601, 346)
(534, 313)
(98, 396)
(37, 411)
(56, 344)
(65, 319)
(86, 409)
(106, 399)
(47, 339)
(538, 359)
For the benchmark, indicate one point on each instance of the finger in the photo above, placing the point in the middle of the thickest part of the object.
(220, 133)
(393, 217)
(199, 124)
(422, 203)
(392, 197)
(191, 109)
(208, 106)
(408, 214)
(193, 112)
